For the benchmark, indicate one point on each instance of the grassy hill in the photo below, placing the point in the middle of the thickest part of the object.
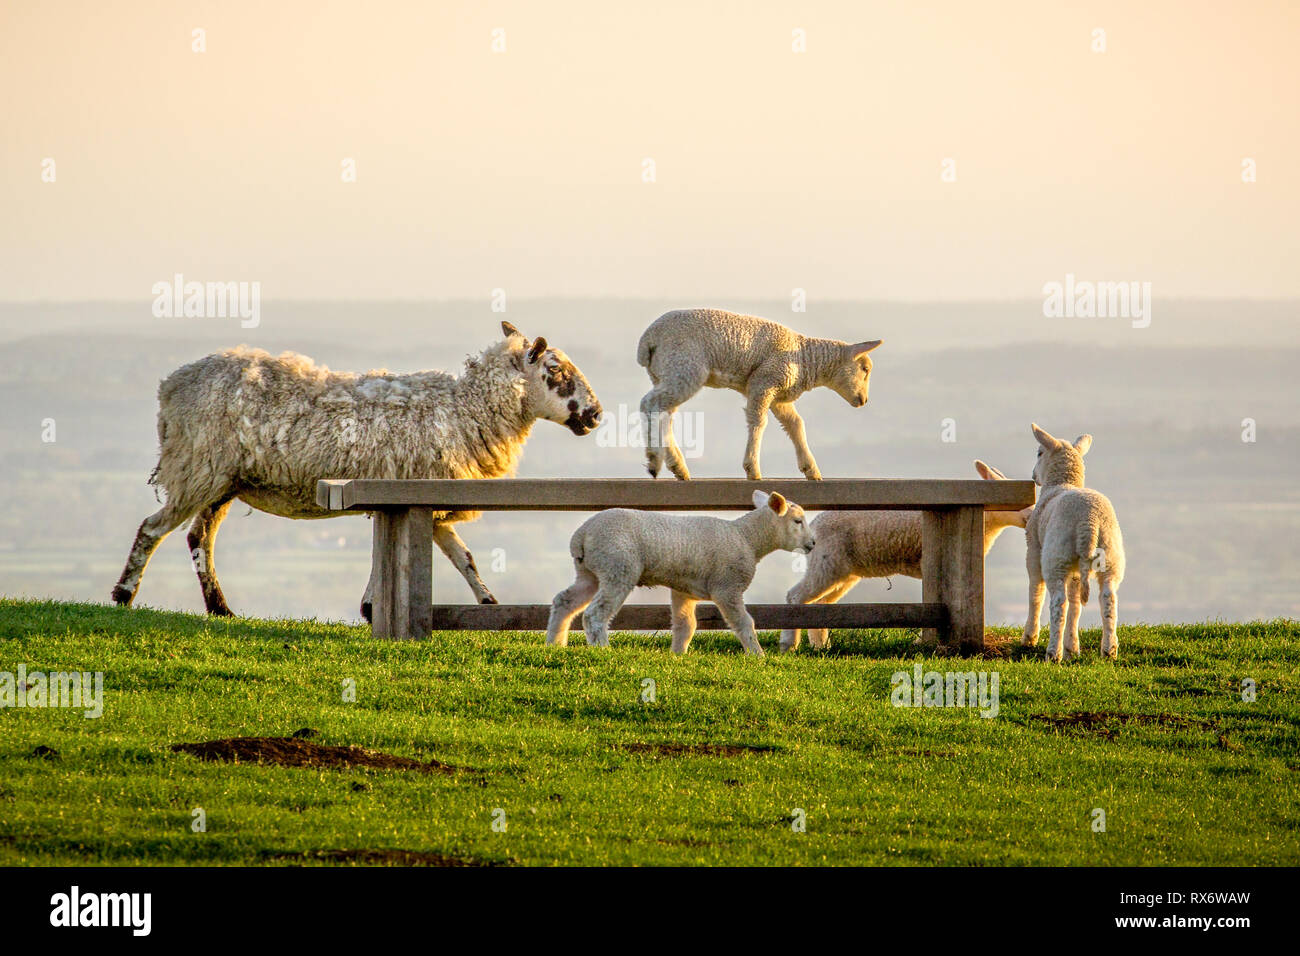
(561, 747)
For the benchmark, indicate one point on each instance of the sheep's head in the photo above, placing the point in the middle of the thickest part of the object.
(1000, 519)
(793, 532)
(1059, 462)
(852, 372)
(557, 391)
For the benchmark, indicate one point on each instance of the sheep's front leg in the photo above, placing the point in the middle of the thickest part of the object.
(732, 608)
(756, 408)
(821, 585)
(1056, 593)
(683, 621)
(449, 541)
(792, 424)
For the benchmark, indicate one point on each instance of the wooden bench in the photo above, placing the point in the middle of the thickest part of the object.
(952, 606)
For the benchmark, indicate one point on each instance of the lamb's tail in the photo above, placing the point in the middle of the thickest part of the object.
(1086, 542)
(577, 548)
(645, 351)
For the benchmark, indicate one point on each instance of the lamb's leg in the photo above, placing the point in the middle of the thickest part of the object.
(1109, 617)
(601, 610)
(820, 580)
(152, 530)
(683, 621)
(1036, 588)
(759, 400)
(792, 424)
(445, 536)
(733, 610)
(820, 636)
(657, 408)
(1072, 593)
(567, 605)
(1056, 594)
(202, 540)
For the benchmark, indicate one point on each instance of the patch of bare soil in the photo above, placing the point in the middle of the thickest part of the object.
(1102, 723)
(697, 750)
(381, 858)
(299, 752)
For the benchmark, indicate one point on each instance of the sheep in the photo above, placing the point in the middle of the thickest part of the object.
(700, 558)
(771, 365)
(1071, 534)
(873, 544)
(244, 424)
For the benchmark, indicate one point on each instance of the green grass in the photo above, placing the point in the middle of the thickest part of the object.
(545, 730)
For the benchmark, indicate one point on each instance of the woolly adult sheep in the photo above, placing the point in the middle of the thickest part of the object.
(700, 558)
(245, 424)
(771, 365)
(852, 545)
(1071, 534)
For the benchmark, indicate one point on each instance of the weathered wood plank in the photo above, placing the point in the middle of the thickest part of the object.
(707, 494)
(952, 573)
(656, 617)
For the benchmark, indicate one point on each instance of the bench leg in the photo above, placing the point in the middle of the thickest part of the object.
(952, 573)
(402, 571)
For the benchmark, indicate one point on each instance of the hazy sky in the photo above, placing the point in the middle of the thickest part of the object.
(523, 170)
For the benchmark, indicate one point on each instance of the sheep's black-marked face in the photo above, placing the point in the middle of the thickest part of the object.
(562, 391)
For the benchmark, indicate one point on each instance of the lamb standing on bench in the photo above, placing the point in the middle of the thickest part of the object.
(1072, 533)
(852, 545)
(700, 558)
(769, 364)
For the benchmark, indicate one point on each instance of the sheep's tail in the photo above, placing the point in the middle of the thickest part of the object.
(645, 351)
(576, 547)
(1086, 542)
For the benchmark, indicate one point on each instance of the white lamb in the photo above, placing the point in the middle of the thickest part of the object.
(700, 558)
(1071, 534)
(771, 365)
(245, 424)
(852, 545)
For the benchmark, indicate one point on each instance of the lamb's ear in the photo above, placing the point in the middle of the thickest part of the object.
(759, 498)
(539, 346)
(1082, 444)
(1044, 439)
(510, 330)
(988, 472)
(862, 348)
(777, 503)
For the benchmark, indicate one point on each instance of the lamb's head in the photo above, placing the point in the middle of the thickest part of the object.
(1059, 462)
(851, 373)
(996, 521)
(793, 531)
(556, 390)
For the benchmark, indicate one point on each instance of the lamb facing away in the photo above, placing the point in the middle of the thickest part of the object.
(852, 545)
(699, 557)
(771, 365)
(1072, 533)
(245, 424)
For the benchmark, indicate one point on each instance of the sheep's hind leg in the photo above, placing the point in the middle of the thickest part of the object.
(758, 401)
(1057, 610)
(657, 408)
(1033, 621)
(1109, 617)
(683, 621)
(567, 605)
(601, 610)
(1072, 593)
(202, 541)
(151, 533)
(732, 608)
(454, 548)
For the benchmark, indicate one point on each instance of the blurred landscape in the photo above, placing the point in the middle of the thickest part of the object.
(1211, 522)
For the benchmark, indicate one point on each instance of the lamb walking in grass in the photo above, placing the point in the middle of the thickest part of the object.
(245, 424)
(771, 365)
(1072, 533)
(699, 557)
(852, 545)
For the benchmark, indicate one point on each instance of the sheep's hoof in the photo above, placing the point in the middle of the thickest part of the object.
(221, 611)
(366, 611)
(487, 599)
(654, 471)
(122, 597)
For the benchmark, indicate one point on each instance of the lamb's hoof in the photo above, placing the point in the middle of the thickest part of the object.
(488, 599)
(122, 597)
(221, 611)
(366, 609)
(653, 469)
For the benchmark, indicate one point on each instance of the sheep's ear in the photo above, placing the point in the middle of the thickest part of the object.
(510, 330)
(862, 348)
(1044, 439)
(539, 346)
(778, 503)
(988, 472)
(1082, 444)
(759, 498)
